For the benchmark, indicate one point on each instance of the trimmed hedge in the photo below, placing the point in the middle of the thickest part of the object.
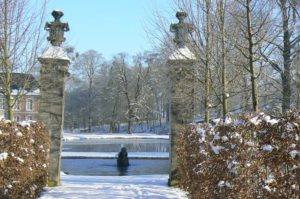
(23, 159)
(253, 156)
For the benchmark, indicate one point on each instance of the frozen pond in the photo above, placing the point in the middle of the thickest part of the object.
(108, 167)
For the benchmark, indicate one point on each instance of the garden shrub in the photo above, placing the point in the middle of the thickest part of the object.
(24, 164)
(250, 156)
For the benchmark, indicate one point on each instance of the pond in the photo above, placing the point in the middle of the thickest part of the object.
(108, 167)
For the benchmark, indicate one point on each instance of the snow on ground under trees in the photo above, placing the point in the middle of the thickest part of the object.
(114, 187)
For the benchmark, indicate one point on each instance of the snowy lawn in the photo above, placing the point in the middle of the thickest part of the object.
(114, 187)
(89, 136)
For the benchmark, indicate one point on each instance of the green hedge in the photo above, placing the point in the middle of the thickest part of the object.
(23, 159)
(254, 156)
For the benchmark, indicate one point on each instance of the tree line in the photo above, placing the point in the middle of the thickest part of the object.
(122, 90)
(248, 54)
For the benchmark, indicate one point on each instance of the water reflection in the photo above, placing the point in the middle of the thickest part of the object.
(123, 171)
(108, 167)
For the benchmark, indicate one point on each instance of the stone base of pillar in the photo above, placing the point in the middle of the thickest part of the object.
(181, 73)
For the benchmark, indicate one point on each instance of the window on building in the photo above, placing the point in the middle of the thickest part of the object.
(17, 118)
(29, 104)
(29, 117)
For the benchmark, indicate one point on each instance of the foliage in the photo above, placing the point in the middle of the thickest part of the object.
(248, 156)
(23, 159)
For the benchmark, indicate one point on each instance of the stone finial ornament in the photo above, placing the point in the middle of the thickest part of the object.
(56, 29)
(181, 30)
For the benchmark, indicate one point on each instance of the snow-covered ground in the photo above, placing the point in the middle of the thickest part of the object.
(89, 136)
(145, 155)
(116, 187)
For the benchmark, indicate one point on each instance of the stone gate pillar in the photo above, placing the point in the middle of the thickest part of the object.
(53, 73)
(181, 72)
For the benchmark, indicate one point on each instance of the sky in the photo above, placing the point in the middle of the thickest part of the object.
(109, 26)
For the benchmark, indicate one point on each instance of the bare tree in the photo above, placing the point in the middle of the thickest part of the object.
(89, 65)
(20, 41)
(285, 43)
(221, 13)
(132, 85)
(253, 19)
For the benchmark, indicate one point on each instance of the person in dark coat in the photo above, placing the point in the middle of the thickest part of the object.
(123, 158)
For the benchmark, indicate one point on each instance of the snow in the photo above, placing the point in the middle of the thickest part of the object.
(267, 188)
(19, 159)
(149, 155)
(80, 137)
(216, 149)
(225, 138)
(26, 123)
(3, 155)
(270, 180)
(55, 52)
(111, 187)
(19, 134)
(290, 126)
(294, 153)
(201, 131)
(217, 121)
(228, 121)
(255, 120)
(250, 143)
(182, 54)
(268, 119)
(267, 147)
(222, 183)
(35, 92)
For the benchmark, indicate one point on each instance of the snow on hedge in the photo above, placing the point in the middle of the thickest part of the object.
(23, 163)
(245, 156)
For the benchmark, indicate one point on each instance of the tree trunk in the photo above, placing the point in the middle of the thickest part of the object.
(90, 106)
(223, 59)
(130, 112)
(286, 75)
(298, 82)
(207, 103)
(251, 60)
(7, 67)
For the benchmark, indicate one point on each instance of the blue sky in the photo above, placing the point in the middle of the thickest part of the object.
(109, 26)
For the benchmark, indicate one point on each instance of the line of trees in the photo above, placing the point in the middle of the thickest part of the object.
(248, 54)
(116, 91)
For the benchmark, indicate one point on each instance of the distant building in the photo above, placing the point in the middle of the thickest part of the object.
(27, 106)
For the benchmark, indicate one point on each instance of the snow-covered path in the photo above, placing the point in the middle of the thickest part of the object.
(114, 187)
